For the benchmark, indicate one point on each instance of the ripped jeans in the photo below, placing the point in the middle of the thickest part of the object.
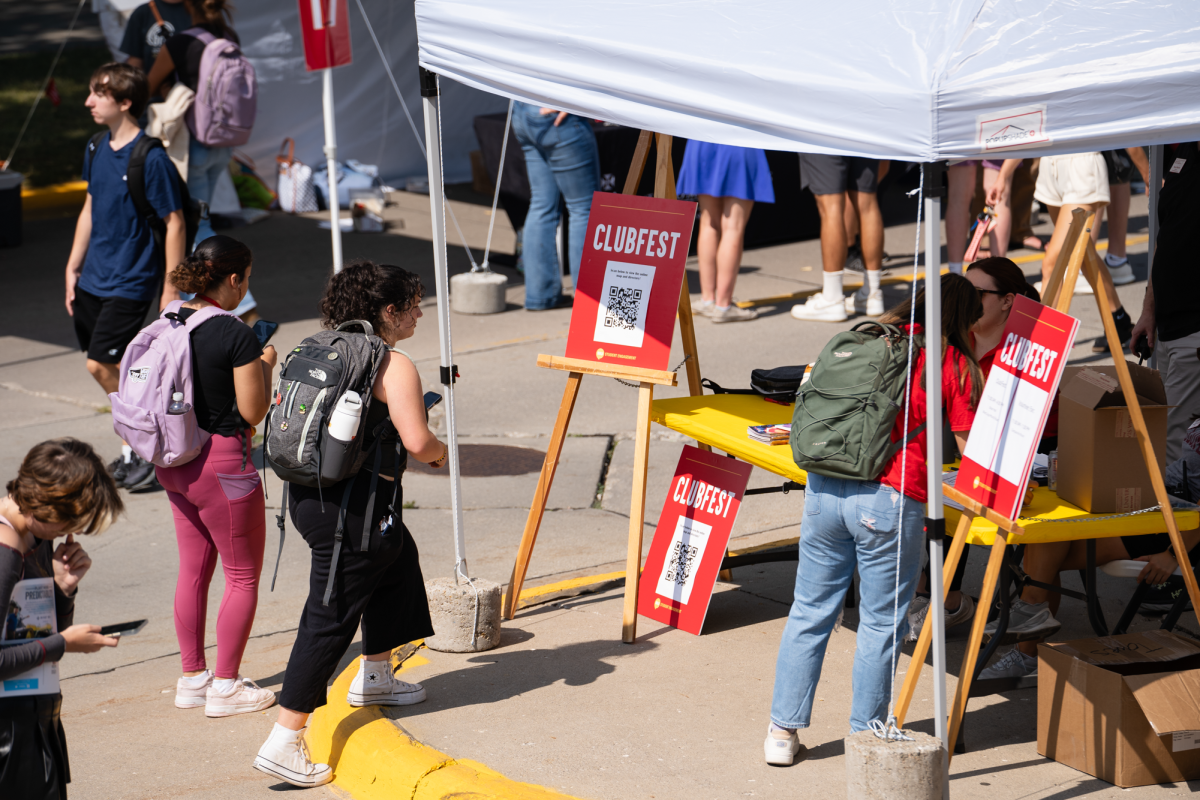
(848, 524)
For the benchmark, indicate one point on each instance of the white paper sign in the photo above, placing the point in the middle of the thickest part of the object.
(30, 615)
(621, 317)
(684, 555)
(1006, 425)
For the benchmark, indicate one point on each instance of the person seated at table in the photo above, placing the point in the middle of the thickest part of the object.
(998, 282)
(874, 526)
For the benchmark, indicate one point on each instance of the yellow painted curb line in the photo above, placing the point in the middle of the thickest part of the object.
(60, 195)
(907, 278)
(373, 759)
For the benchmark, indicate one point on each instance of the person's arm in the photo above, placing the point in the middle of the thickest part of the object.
(176, 233)
(1161, 566)
(134, 62)
(402, 391)
(1146, 322)
(83, 234)
(557, 120)
(1138, 156)
(164, 65)
(1000, 189)
(252, 386)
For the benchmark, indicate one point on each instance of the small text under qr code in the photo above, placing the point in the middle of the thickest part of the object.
(679, 563)
(622, 311)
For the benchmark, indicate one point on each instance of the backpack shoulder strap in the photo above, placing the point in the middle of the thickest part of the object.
(154, 10)
(281, 519)
(135, 175)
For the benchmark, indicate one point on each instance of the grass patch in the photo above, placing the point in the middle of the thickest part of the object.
(52, 150)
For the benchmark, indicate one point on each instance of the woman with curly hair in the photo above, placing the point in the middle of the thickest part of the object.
(61, 489)
(382, 589)
(217, 497)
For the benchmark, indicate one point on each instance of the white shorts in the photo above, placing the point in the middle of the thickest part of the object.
(1076, 179)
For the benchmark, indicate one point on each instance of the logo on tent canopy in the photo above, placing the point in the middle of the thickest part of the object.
(1016, 127)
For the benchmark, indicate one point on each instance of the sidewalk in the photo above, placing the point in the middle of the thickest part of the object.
(562, 704)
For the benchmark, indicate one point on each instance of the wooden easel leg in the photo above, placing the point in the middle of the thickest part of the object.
(1139, 425)
(637, 513)
(1050, 288)
(1078, 255)
(959, 709)
(638, 164)
(538, 507)
(913, 675)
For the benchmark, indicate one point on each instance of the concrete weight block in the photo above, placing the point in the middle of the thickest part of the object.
(477, 293)
(457, 611)
(879, 769)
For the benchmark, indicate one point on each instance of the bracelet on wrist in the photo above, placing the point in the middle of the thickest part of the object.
(442, 459)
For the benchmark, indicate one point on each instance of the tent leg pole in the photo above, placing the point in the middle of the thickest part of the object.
(437, 208)
(1152, 192)
(935, 522)
(331, 160)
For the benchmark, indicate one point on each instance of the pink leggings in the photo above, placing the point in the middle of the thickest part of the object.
(219, 510)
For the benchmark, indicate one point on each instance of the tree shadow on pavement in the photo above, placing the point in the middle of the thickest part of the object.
(499, 675)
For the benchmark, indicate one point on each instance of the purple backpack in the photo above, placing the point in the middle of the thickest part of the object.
(158, 363)
(226, 94)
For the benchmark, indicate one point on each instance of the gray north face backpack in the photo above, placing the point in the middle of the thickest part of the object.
(296, 436)
(845, 412)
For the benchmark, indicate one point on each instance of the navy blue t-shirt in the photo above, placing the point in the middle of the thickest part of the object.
(121, 261)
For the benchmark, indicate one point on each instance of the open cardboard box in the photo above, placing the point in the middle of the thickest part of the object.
(1123, 708)
(1100, 464)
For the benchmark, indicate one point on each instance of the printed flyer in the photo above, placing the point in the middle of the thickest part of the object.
(31, 615)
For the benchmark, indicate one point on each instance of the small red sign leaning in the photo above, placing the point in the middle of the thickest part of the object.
(326, 28)
(629, 280)
(1015, 404)
(689, 543)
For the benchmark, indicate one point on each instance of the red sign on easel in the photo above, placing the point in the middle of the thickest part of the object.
(629, 280)
(326, 28)
(1015, 404)
(689, 542)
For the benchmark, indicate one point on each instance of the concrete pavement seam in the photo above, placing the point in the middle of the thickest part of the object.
(61, 398)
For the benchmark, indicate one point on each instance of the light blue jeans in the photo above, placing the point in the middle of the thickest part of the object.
(205, 165)
(563, 162)
(848, 524)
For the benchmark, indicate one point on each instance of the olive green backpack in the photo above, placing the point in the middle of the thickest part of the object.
(845, 412)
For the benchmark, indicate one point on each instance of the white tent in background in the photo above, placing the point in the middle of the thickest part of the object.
(915, 80)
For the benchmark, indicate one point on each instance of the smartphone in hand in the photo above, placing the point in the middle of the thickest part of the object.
(432, 399)
(123, 628)
(264, 330)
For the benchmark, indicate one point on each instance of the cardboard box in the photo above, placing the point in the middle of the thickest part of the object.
(1100, 464)
(1123, 708)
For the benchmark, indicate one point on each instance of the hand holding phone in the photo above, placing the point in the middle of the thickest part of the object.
(264, 330)
(432, 399)
(123, 628)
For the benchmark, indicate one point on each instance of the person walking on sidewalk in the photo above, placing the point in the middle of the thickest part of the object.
(836, 180)
(563, 161)
(382, 588)
(217, 497)
(114, 270)
(876, 527)
(729, 180)
(61, 489)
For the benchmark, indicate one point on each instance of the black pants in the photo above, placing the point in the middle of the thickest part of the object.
(33, 749)
(382, 589)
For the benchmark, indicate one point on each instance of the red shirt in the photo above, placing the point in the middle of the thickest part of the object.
(956, 402)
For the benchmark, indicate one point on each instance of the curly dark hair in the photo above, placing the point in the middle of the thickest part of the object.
(363, 289)
(213, 260)
(64, 481)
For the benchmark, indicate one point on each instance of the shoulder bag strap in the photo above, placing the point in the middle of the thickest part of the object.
(367, 515)
(281, 519)
(154, 10)
(337, 541)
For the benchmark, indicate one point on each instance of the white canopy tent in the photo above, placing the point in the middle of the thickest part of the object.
(916, 80)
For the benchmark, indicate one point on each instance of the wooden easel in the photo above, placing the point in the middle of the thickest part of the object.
(1077, 255)
(664, 186)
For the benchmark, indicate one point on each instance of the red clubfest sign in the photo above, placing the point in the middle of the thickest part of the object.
(326, 28)
(689, 542)
(1015, 404)
(629, 280)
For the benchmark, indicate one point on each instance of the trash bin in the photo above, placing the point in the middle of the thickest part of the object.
(10, 208)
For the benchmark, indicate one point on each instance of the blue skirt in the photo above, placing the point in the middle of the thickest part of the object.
(722, 170)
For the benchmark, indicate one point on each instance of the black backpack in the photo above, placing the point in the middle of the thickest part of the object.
(135, 180)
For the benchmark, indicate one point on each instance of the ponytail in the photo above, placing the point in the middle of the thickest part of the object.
(213, 260)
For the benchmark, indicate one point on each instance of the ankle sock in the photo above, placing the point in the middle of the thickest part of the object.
(1113, 261)
(223, 685)
(195, 681)
(126, 453)
(1121, 315)
(956, 267)
(777, 729)
(874, 276)
(833, 283)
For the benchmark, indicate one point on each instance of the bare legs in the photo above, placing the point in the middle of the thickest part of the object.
(1061, 216)
(958, 210)
(719, 245)
(1118, 219)
(1002, 228)
(832, 208)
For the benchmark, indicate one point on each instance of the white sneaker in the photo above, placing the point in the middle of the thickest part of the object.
(864, 302)
(244, 697)
(375, 685)
(781, 747)
(192, 692)
(285, 755)
(821, 308)
(1122, 273)
(702, 308)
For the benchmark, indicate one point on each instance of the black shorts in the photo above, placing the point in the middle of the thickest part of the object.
(1146, 545)
(837, 174)
(106, 325)
(1120, 169)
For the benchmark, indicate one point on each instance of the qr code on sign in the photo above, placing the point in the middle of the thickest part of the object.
(679, 563)
(622, 310)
